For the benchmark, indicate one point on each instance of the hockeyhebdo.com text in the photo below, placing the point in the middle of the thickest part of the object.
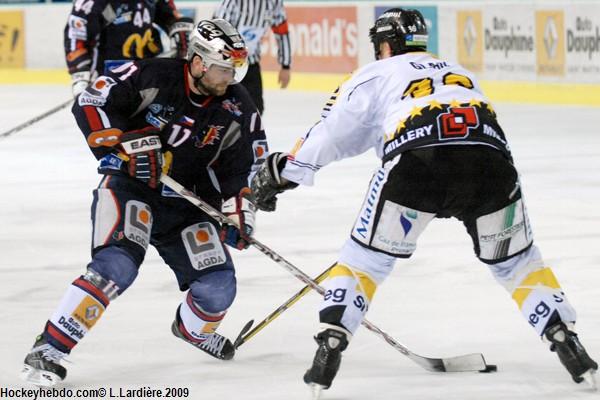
(145, 392)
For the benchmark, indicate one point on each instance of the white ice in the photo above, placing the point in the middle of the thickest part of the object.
(440, 302)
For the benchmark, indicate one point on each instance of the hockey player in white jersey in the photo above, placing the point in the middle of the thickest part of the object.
(443, 155)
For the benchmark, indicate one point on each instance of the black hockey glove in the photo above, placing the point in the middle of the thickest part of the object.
(267, 183)
(143, 149)
(241, 210)
(180, 33)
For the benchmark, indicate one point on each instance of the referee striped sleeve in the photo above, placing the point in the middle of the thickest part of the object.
(280, 29)
(253, 13)
(284, 54)
(229, 11)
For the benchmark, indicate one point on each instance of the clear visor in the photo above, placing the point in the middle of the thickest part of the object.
(236, 64)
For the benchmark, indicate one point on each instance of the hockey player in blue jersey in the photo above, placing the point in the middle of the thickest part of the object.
(100, 32)
(188, 119)
(443, 155)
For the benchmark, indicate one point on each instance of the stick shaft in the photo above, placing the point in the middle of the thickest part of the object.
(35, 119)
(290, 302)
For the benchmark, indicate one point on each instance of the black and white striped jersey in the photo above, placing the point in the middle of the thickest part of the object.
(252, 18)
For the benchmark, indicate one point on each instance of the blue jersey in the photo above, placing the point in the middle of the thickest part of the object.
(212, 145)
(100, 30)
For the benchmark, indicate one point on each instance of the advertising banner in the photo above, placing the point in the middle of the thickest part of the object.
(469, 36)
(431, 19)
(550, 42)
(582, 42)
(509, 42)
(12, 39)
(323, 39)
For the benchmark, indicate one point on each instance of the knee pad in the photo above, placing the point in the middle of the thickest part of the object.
(348, 294)
(375, 264)
(115, 264)
(214, 292)
(535, 289)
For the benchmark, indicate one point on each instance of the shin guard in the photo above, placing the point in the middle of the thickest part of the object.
(196, 324)
(539, 296)
(80, 308)
(348, 294)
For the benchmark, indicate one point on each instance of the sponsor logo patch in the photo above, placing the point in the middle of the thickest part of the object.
(503, 235)
(97, 93)
(364, 224)
(203, 246)
(210, 137)
(138, 222)
(77, 28)
(72, 327)
(233, 108)
(88, 312)
(260, 148)
(457, 122)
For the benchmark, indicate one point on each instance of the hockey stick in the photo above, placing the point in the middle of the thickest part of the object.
(462, 363)
(36, 119)
(243, 337)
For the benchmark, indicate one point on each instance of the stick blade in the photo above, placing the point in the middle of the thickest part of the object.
(240, 338)
(463, 363)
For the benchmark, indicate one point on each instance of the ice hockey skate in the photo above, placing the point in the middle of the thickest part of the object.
(42, 365)
(327, 360)
(216, 345)
(572, 354)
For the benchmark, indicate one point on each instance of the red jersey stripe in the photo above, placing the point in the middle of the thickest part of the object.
(93, 118)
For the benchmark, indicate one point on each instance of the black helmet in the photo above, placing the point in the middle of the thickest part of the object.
(404, 30)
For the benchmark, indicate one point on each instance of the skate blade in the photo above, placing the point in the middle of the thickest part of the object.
(38, 377)
(590, 378)
(315, 390)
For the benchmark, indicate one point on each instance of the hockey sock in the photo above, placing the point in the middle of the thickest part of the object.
(80, 308)
(348, 294)
(539, 296)
(196, 324)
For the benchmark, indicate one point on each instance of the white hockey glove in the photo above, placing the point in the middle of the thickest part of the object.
(241, 210)
(267, 183)
(79, 81)
(180, 33)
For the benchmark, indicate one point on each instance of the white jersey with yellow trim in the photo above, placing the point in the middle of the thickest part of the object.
(393, 105)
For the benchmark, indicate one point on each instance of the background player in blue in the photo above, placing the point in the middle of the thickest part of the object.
(444, 155)
(103, 30)
(188, 119)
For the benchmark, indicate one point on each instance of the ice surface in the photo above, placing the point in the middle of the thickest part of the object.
(441, 302)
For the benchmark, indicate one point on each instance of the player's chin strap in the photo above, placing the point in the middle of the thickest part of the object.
(462, 363)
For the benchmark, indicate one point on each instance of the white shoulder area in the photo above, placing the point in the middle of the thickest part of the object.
(371, 72)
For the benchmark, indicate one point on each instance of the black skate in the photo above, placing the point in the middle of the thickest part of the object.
(327, 360)
(42, 364)
(571, 353)
(216, 345)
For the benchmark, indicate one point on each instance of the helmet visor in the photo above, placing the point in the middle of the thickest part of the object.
(234, 60)
(239, 60)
